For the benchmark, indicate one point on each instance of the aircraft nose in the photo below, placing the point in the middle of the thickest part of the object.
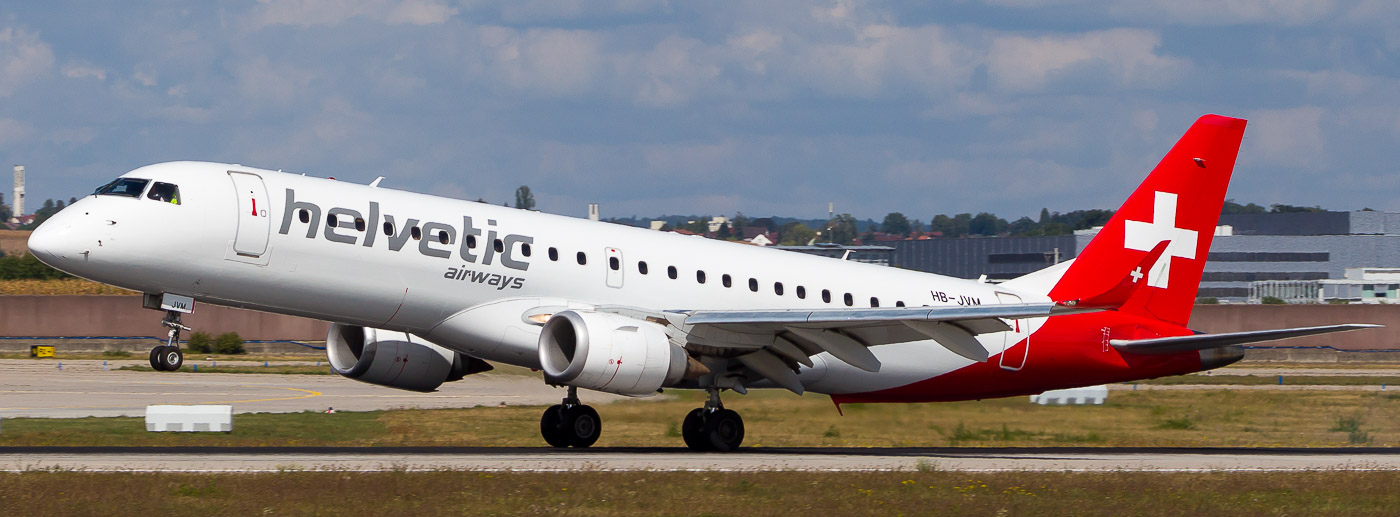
(48, 242)
(45, 243)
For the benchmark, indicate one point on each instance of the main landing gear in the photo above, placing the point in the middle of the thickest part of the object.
(713, 428)
(709, 428)
(168, 357)
(571, 424)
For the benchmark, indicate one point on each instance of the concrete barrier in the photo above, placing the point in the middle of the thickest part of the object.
(205, 418)
(122, 316)
(1089, 395)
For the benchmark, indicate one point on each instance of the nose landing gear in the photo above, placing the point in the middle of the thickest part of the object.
(168, 357)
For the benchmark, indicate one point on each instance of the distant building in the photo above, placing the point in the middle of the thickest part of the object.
(999, 258)
(1306, 256)
(880, 255)
(717, 222)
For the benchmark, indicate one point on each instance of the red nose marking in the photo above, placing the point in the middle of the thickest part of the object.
(255, 206)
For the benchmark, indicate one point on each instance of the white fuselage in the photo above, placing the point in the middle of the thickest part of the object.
(240, 240)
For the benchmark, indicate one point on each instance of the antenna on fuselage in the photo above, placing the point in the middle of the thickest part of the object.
(376, 181)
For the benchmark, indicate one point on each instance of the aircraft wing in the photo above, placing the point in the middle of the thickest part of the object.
(770, 341)
(1170, 345)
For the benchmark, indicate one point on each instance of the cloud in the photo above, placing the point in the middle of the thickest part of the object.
(1191, 12)
(83, 71)
(24, 58)
(13, 132)
(554, 62)
(259, 79)
(309, 13)
(1290, 137)
(1125, 58)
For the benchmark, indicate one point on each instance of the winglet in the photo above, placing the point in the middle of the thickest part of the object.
(1126, 288)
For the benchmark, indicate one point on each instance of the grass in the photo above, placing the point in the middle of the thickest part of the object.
(1294, 380)
(1148, 418)
(58, 287)
(702, 493)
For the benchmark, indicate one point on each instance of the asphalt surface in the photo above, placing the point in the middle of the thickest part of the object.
(30, 388)
(526, 459)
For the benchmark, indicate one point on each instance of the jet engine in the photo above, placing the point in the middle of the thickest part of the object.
(395, 359)
(608, 352)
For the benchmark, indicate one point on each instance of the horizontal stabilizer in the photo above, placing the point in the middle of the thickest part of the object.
(1169, 345)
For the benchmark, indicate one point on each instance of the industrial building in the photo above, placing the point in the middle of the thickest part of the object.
(1298, 257)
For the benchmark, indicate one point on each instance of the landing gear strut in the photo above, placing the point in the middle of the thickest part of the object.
(168, 357)
(713, 428)
(570, 424)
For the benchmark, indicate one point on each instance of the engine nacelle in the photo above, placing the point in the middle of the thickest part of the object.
(395, 359)
(608, 352)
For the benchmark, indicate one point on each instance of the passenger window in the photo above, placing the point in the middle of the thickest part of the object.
(671, 272)
(525, 249)
(127, 187)
(874, 302)
(305, 216)
(778, 288)
(642, 267)
(553, 255)
(359, 224)
(801, 292)
(614, 264)
(471, 241)
(416, 233)
(700, 276)
(582, 259)
(753, 284)
(826, 296)
(724, 279)
(500, 246)
(442, 237)
(165, 193)
(899, 303)
(332, 221)
(849, 300)
(388, 227)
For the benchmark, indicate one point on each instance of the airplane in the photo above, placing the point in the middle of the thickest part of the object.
(421, 290)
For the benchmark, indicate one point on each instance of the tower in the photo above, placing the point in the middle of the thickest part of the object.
(19, 194)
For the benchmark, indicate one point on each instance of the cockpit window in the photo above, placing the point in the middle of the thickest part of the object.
(129, 187)
(165, 193)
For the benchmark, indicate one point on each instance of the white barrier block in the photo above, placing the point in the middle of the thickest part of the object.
(210, 418)
(1077, 396)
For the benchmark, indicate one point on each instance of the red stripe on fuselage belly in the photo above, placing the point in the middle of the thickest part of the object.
(1066, 352)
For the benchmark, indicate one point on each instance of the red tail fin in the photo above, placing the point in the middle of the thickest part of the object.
(1178, 202)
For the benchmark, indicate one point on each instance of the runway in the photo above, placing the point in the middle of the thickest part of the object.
(528, 459)
(30, 388)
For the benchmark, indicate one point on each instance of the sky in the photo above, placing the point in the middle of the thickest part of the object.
(770, 108)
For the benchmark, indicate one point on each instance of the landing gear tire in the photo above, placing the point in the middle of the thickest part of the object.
(693, 430)
(172, 358)
(155, 359)
(552, 426)
(583, 425)
(724, 429)
(570, 426)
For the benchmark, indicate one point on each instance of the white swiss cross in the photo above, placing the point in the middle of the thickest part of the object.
(1143, 236)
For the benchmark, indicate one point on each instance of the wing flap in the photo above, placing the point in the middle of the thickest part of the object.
(1170, 345)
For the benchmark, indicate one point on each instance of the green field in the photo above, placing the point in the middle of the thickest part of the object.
(702, 493)
(1170, 418)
